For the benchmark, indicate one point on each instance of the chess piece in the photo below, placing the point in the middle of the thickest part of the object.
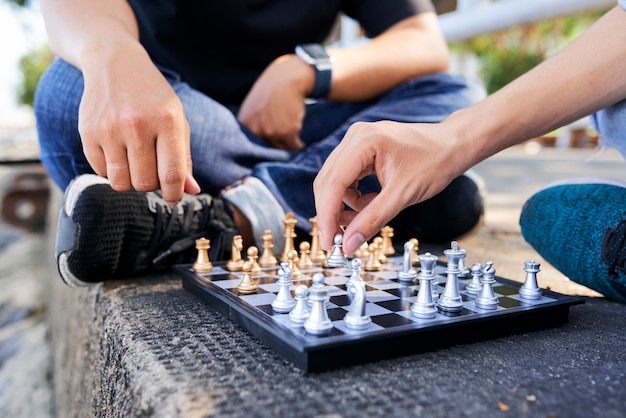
(450, 300)
(267, 258)
(236, 262)
(407, 274)
(487, 299)
(356, 318)
(253, 255)
(301, 310)
(284, 301)
(464, 272)
(290, 233)
(293, 264)
(372, 263)
(414, 256)
(317, 254)
(202, 263)
(474, 286)
(336, 257)
(318, 322)
(530, 289)
(362, 252)
(305, 261)
(356, 265)
(424, 306)
(387, 234)
(380, 255)
(247, 285)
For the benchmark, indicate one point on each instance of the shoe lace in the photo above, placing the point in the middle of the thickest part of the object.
(614, 249)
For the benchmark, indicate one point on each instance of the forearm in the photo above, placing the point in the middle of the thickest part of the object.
(411, 48)
(81, 31)
(584, 77)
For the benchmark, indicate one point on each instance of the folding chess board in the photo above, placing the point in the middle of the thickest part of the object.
(393, 332)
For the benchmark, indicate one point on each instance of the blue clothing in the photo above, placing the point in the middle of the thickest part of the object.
(224, 152)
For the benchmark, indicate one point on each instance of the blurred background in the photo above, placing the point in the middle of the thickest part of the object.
(492, 42)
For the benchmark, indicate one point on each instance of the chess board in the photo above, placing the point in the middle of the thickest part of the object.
(393, 331)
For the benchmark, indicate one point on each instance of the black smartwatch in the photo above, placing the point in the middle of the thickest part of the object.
(315, 55)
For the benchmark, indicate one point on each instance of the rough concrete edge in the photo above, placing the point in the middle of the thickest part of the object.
(98, 368)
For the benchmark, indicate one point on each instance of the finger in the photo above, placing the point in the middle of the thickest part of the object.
(172, 163)
(96, 159)
(117, 170)
(371, 219)
(143, 166)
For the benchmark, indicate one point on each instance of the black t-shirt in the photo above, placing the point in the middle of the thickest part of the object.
(221, 47)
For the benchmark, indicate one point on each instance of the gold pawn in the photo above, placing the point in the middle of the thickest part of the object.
(305, 257)
(317, 254)
(253, 255)
(382, 258)
(247, 285)
(293, 264)
(415, 260)
(387, 233)
(372, 263)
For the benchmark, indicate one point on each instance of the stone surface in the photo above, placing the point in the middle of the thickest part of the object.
(147, 347)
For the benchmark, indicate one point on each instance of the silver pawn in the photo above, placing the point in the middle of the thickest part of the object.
(336, 257)
(284, 302)
(424, 306)
(356, 318)
(487, 299)
(356, 265)
(530, 289)
(450, 300)
(464, 270)
(301, 311)
(318, 322)
(408, 274)
(475, 285)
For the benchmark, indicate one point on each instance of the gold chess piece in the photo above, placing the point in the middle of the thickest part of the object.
(382, 258)
(317, 254)
(387, 234)
(372, 263)
(414, 255)
(305, 261)
(236, 262)
(290, 233)
(247, 285)
(362, 252)
(293, 264)
(202, 263)
(253, 256)
(267, 258)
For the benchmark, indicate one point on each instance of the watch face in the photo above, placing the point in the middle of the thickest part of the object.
(316, 51)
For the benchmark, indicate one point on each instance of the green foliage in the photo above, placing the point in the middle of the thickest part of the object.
(20, 3)
(33, 66)
(508, 54)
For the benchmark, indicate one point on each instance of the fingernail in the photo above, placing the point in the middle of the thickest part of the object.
(354, 243)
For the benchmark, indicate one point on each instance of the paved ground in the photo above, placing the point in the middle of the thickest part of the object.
(511, 177)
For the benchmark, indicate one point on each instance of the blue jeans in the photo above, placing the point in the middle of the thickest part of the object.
(224, 151)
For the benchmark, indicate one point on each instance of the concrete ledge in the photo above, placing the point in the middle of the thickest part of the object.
(147, 347)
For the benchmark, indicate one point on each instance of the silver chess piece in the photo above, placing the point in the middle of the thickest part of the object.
(408, 274)
(424, 306)
(356, 265)
(356, 318)
(530, 289)
(301, 310)
(318, 322)
(487, 299)
(450, 300)
(336, 257)
(474, 286)
(465, 272)
(284, 301)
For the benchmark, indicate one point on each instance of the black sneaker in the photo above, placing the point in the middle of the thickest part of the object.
(103, 234)
(455, 212)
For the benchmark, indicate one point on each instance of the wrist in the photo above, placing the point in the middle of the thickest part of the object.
(316, 57)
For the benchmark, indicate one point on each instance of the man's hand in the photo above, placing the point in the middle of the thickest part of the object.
(133, 128)
(412, 162)
(274, 108)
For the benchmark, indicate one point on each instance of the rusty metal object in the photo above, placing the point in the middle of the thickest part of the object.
(25, 200)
